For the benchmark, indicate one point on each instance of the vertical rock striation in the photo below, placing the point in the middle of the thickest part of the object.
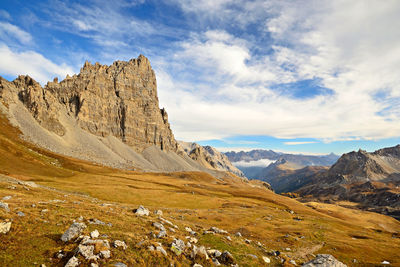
(119, 100)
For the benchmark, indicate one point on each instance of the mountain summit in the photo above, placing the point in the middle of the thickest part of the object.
(119, 100)
(105, 114)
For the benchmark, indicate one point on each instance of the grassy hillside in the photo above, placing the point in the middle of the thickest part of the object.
(73, 188)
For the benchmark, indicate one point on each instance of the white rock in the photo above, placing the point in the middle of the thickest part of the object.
(72, 262)
(86, 251)
(7, 198)
(162, 233)
(266, 259)
(217, 230)
(97, 242)
(385, 262)
(159, 226)
(201, 251)
(106, 254)
(162, 250)
(5, 227)
(324, 260)
(142, 211)
(119, 243)
(30, 184)
(94, 234)
(158, 212)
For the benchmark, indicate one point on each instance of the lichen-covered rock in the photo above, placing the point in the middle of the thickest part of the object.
(73, 231)
(178, 246)
(324, 260)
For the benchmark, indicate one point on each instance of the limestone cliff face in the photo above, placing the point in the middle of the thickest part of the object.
(36, 100)
(119, 100)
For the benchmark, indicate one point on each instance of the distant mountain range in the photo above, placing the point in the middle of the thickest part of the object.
(281, 170)
(370, 179)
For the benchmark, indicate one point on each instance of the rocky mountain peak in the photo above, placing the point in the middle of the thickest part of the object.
(119, 100)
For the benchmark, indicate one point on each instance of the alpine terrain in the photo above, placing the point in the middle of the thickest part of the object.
(92, 175)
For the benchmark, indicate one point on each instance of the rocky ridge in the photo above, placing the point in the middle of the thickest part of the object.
(210, 157)
(370, 179)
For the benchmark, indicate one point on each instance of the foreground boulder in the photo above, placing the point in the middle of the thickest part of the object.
(72, 262)
(324, 260)
(73, 231)
(5, 227)
(141, 211)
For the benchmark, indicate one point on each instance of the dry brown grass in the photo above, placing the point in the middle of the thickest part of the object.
(190, 199)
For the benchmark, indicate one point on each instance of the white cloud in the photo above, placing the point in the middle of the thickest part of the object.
(350, 46)
(254, 163)
(299, 143)
(31, 63)
(8, 29)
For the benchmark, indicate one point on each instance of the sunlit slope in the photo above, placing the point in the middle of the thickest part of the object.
(192, 199)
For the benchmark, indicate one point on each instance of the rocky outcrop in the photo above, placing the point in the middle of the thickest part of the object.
(209, 157)
(119, 100)
(324, 260)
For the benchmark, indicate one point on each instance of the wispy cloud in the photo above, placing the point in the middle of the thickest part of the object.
(8, 30)
(4, 14)
(299, 143)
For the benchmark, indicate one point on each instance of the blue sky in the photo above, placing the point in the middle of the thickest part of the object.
(297, 76)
